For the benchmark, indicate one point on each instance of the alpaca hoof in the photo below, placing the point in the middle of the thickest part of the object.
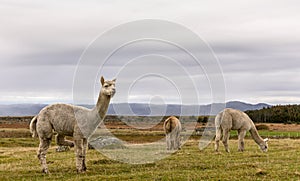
(82, 170)
(46, 171)
(62, 149)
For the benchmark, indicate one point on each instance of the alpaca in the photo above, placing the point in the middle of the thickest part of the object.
(70, 120)
(172, 128)
(231, 119)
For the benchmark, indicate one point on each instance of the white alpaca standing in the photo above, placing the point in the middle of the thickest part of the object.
(70, 120)
(231, 119)
(172, 128)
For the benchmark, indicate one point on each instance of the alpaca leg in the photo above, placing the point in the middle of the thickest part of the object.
(178, 141)
(226, 134)
(217, 139)
(60, 140)
(168, 139)
(242, 134)
(175, 143)
(79, 155)
(172, 142)
(85, 144)
(42, 151)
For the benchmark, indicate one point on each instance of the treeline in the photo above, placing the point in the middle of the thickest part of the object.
(276, 114)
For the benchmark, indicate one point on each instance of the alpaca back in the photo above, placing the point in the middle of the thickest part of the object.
(224, 120)
(234, 119)
(172, 124)
(240, 120)
(61, 117)
(218, 119)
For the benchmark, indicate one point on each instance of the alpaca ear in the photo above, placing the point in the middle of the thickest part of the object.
(114, 80)
(102, 80)
(266, 139)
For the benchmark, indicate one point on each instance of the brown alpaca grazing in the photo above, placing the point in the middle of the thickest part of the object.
(231, 119)
(70, 120)
(172, 128)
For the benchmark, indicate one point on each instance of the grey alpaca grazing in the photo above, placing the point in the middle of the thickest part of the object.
(231, 119)
(172, 128)
(70, 120)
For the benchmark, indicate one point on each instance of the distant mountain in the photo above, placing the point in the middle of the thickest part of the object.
(140, 109)
(20, 109)
(171, 109)
(246, 106)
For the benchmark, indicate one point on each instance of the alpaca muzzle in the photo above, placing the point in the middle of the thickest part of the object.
(113, 92)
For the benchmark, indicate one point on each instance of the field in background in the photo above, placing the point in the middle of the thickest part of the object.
(18, 159)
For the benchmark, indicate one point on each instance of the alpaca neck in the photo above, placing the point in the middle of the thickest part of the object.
(96, 115)
(102, 105)
(255, 135)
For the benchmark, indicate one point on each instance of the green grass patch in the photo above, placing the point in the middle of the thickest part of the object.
(270, 134)
(281, 162)
(18, 160)
(18, 142)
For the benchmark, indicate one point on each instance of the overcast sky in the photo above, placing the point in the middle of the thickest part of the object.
(257, 43)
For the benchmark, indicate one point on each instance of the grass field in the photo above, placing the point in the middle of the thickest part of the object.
(18, 161)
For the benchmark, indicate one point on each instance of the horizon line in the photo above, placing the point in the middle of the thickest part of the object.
(151, 103)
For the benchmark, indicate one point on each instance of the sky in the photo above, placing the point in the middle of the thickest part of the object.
(253, 46)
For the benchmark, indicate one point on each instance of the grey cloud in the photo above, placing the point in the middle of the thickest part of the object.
(258, 57)
(256, 42)
(54, 58)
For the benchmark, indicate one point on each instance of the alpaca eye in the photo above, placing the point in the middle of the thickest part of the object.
(106, 86)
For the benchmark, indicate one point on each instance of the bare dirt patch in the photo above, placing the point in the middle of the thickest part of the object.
(15, 122)
(14, 125)
(14, 133)
(9, 126)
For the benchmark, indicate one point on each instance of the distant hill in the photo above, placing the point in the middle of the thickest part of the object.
(139, 109)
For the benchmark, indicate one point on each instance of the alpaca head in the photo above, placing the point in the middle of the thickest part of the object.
(108, 87)
(264, 145)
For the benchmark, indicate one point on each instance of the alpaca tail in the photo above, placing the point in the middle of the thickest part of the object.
(218, 120)
(168, 125)
(32, 127)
